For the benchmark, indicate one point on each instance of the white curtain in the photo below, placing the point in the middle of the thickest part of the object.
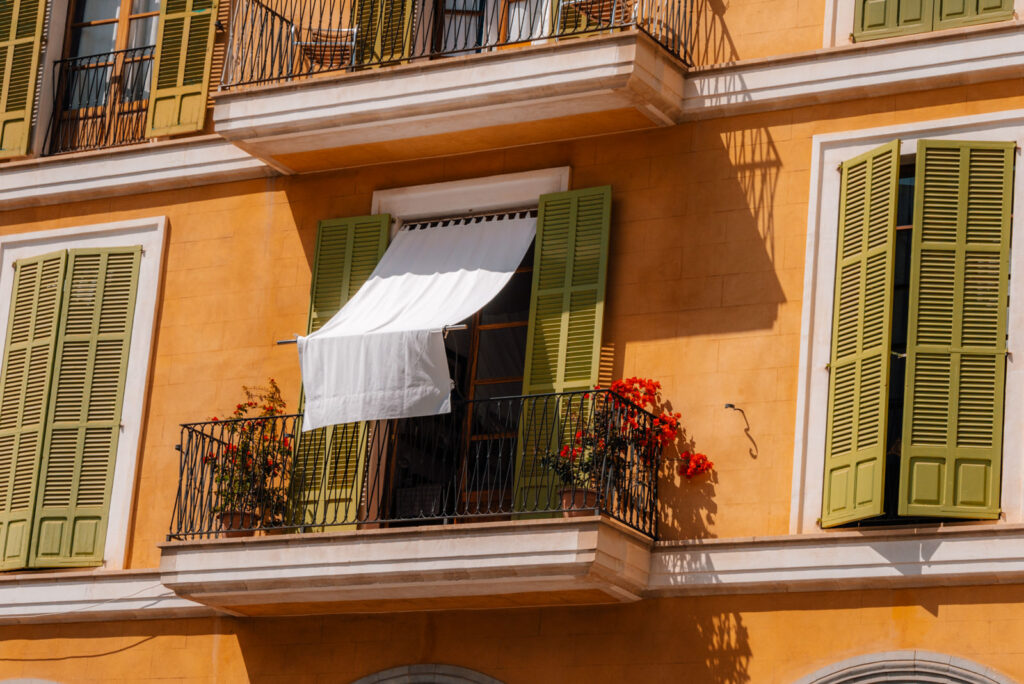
(383, 356)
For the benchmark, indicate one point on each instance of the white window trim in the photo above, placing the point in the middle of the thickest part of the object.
(150, 234)
(474, 195)
(839, 15)
(828, 151)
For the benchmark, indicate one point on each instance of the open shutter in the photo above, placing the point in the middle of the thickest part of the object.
(566, 315)
(181, 67)
(886, 18)
(329, 461)
(25, 381)
(21, 31)
(956, 340)
(951, 13)
(84, 416)
(855, 443)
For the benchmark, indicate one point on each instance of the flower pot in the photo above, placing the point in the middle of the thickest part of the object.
(238, 523)
(578, 503)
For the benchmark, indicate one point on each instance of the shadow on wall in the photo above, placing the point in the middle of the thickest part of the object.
(712, 43)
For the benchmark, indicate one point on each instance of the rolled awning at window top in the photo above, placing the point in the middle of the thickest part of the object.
(382, 355)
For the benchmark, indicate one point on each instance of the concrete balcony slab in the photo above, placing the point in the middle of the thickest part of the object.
(564, 561)
(560, 90)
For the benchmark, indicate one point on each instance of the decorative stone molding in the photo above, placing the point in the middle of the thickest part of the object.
(906, 666)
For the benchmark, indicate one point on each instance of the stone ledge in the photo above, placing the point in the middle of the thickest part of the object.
(484, 565)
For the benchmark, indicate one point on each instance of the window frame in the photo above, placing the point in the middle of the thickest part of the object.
(828, 151)
(150, 234)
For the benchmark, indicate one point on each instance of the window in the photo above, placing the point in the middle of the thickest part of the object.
(550, 311)
(886, 18)
(919, 334)
(62, 384)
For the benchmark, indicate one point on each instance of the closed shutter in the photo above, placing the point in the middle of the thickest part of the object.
(25, 384)
(181, 67)
(855, 443)
(384, 30)
(564, 335)
(956, 340)
(329, 461)
(21, 31)
(366, 18)
(952, 13)
(886, 18)
(397, 29)
(84, 416)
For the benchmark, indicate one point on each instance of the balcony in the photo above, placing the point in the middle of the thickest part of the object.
(100, 100)
(341, 83)
(535, 500)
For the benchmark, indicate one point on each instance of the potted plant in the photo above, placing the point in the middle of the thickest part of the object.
(616, 433)
(247, 459)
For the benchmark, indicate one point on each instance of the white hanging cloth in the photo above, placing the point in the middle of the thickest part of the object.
(382, 355)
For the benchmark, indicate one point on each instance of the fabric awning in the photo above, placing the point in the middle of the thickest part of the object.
(382, 355)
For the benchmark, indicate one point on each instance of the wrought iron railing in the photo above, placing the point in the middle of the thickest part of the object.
(276, 40)
(488, 460)
(100, 100)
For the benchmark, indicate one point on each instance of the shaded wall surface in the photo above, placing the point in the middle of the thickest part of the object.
(704, 289)
(719, 640)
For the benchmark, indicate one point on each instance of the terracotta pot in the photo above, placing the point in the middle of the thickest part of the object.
(579, 503)
(238, 523)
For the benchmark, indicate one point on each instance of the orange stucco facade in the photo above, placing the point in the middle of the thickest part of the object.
(705, 293)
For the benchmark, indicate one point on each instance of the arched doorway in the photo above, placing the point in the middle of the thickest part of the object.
(910, 666)
(428, 674)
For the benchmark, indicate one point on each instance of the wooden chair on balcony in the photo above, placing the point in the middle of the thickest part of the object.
(329, 49)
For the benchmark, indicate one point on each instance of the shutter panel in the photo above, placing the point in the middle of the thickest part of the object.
(366, 19)
(956, 340)
(951, 13)
(855, 443)
(21, 31)
(25, 381)
(887, 18)
(329, 464)
(566, 316)
(84, 416)
(181, 67)
(384, 30)
(396, 29)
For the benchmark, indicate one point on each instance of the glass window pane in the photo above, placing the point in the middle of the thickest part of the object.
(93, 40)
(494, 416)
(142, 32)
(96, 10)
(461, 32)
(512, 303)
(141, 6)
(502, 353)
(135, 79)
(457, 347)
(87, 87)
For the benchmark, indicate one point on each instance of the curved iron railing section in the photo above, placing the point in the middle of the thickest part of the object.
(280, 40)
(487, 460)
(100, 100)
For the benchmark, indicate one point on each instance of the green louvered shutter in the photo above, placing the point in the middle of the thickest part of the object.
(21, 31)
(181, 67)
(384, 30)
(84, 415)
(956, 339)
(887, 18)
(328, 462)
(855, 442)
(563, 346)
(25, 381)
(952, 13)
